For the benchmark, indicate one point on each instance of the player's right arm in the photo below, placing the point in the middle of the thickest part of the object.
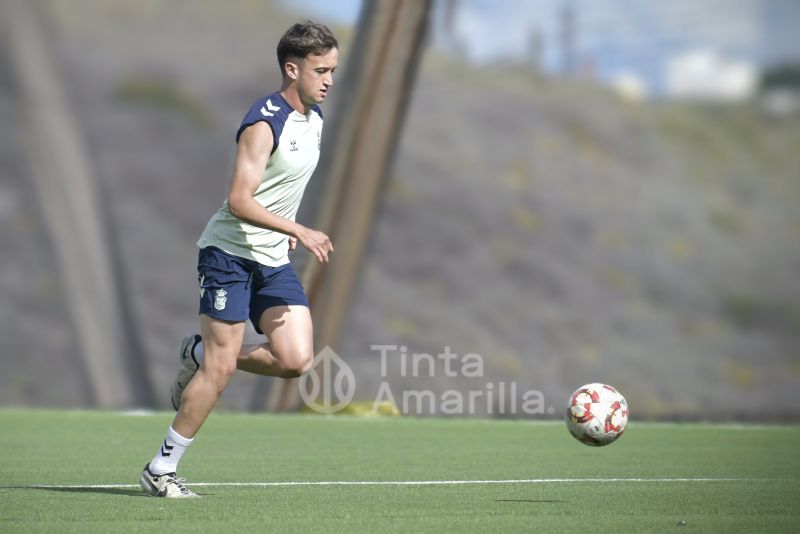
(255, 147)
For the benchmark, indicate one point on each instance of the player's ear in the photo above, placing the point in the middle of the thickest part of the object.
(291, 68)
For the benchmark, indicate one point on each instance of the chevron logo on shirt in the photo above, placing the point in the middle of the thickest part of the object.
(269, 107)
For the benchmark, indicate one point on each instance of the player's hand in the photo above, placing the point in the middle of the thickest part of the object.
(292, 243)
(316, 242)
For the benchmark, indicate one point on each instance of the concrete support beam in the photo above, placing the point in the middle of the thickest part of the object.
(72, 212)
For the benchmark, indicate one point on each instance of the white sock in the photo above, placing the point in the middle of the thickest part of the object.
(198, 353)
(167, 458)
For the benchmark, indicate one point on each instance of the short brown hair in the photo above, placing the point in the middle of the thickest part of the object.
(305, 38)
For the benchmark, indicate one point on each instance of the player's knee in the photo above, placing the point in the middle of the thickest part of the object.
(305, 364)
(220, 371)
(299, 364)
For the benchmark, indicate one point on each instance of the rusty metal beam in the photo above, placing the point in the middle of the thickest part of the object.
(358, 147)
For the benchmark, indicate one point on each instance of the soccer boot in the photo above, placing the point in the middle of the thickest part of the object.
(166, 485)
(188, 368)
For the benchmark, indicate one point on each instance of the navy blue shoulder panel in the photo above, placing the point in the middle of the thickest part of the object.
(273, 110)
(316, 108)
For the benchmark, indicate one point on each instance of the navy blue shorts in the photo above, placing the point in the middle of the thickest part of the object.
(235, 289)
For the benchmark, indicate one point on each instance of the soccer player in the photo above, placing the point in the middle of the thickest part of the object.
(243, 264)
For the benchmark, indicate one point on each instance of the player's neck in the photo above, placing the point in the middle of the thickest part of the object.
(289, 93)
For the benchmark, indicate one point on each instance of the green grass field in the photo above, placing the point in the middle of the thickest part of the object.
(78, 472)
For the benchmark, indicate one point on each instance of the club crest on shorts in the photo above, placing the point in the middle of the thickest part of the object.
(220, 299)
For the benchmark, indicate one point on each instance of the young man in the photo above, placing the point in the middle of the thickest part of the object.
(243, 264)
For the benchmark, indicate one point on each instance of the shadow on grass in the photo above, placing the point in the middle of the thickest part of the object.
(127, 492)
(530, 500)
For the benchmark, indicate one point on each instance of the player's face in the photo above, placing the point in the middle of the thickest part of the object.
(315, 76)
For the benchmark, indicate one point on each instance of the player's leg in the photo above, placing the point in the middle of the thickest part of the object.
(224, 307)
(290, 351)
(223, 341)
(279, 309)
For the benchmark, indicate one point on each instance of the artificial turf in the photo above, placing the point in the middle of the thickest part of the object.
(68, 471)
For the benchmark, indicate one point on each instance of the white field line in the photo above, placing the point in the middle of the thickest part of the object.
(401, 482)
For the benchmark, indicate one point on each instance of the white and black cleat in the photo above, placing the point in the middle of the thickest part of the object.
(189, 367)
(167, 485)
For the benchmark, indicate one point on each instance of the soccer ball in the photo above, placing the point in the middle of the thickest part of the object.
(597, 414)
